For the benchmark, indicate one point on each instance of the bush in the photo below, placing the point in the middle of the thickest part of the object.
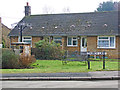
(48, 51)
(26, 61)
(9, 59)
(12, 61)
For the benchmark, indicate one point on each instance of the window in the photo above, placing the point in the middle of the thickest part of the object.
(106, 42)
(26, 39)
(58, 40)
(72, 41)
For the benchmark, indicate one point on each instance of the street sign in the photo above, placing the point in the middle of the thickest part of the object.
(96, 53)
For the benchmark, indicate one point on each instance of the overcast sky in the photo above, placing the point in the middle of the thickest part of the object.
(12, 11)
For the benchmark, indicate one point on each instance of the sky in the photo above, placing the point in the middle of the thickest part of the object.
(12, 11)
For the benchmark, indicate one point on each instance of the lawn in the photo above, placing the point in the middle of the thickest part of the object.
(54, 66)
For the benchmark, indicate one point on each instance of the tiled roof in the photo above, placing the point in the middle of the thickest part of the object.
(90, 24)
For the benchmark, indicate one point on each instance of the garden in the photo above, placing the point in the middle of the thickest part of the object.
(55, 66)
(49, 56)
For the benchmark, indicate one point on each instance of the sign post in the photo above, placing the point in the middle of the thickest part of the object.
(96, 53)
(104, 60)
(88, 61)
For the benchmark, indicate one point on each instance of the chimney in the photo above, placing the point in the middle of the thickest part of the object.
(27, 10)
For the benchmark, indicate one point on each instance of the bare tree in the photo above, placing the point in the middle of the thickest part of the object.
(14, 24)
(66, 10)
(48, 10)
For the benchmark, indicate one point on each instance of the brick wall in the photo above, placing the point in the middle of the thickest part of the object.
(92, 47)
(5, 32)
(64, 42)
(14, 39)
(70, 48)
(0, 31)
(92, 44)
(118, 44)
(35, 39)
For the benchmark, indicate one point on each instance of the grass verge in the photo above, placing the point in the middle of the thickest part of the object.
(55, 66)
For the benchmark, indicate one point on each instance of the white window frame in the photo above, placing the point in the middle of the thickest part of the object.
(57, 39)
(25, 39)
(108, 40)
(72, 41)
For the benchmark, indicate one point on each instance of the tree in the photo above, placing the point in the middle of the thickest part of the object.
(66, 10)
(48, 10)
(108, 6)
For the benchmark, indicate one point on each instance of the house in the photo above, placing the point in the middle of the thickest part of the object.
(4, 39)
(95, 31)
(0, 34)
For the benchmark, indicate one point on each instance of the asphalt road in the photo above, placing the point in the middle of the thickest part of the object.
(61, 84)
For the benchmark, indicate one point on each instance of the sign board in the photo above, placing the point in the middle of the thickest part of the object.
(27, 48)
(0, 45)
(96, 53)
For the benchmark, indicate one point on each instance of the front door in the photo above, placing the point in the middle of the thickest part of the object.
(83, 44)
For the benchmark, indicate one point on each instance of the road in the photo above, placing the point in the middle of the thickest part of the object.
(61, 84)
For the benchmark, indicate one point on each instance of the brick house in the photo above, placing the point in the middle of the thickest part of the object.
(0, 33)
(95, 31)
(4, 31)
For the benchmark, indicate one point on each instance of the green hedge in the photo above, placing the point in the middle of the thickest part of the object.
(9, 59)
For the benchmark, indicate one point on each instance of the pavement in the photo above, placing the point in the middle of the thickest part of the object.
(98, 75)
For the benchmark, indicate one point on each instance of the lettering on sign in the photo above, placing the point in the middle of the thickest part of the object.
(96, 53)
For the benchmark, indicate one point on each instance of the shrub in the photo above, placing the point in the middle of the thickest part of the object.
(26, 61)
(12, 61)
(47, 51)
(9, 59)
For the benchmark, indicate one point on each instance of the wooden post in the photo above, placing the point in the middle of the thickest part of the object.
(88, 60)
(104, 60)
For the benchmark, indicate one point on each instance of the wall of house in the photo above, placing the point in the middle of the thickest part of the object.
(70, 48)
(14, 39)
(91, 45)
(5, 32)
(111, 53)
(34, 40)
(118, 44)
(0, 33)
